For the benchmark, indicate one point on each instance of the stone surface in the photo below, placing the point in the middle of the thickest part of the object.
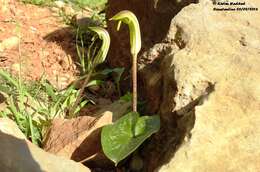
(218, 56)
(9, 43)
(19, 155)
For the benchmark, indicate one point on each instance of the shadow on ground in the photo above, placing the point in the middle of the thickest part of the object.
(66, 37)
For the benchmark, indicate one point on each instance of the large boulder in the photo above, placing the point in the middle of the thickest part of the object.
(19, 155)
(220, 51)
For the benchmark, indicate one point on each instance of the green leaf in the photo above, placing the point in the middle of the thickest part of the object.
(80, 106)
(9, 78)
(127, 97)
(124, 136)
(50, 91)
(107, 71)
(119, 72)
(94, 83)
(5, 89)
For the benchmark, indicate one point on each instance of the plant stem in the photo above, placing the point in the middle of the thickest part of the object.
(134, 80)
(73, 108)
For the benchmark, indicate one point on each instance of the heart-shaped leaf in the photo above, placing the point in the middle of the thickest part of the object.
(127, 134)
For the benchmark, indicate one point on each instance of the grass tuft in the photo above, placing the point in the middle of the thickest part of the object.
(33, 105)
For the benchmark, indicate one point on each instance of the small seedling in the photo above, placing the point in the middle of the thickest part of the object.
(120, 139)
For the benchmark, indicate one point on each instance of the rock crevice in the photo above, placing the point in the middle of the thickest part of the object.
(202, 56)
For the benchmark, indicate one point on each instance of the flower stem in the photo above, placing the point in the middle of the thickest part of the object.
(73, 108)
(134, 80)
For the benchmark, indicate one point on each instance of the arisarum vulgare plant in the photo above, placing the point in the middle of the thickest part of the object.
(120, 139)
(99, 58)
(130, 19)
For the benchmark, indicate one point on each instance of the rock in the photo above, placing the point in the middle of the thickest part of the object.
(218, 56)
(59, 4)
(69, 10)
(5, 5)
(9, 127)
(81, 138)
(150, 75)
(2, 102)
(18, 154)
(9, 43)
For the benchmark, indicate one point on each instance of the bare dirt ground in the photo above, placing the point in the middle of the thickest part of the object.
(36, 39)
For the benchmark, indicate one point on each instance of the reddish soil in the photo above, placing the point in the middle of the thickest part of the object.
(46, 45)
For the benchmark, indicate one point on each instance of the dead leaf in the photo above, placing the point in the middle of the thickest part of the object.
(79, 138)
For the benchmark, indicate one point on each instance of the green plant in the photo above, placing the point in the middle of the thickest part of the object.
(130, 19)
(38, 2)
(98, 58)
(120, 139)
(34, 105)
(117, 78)
(94, 4)
(127, 134)
(85, 55)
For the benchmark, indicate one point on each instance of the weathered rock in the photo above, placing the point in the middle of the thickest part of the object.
(4, 7)
(9, 127)
(79, 138)
(219, 56)
(19, 155)
(9, 43)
